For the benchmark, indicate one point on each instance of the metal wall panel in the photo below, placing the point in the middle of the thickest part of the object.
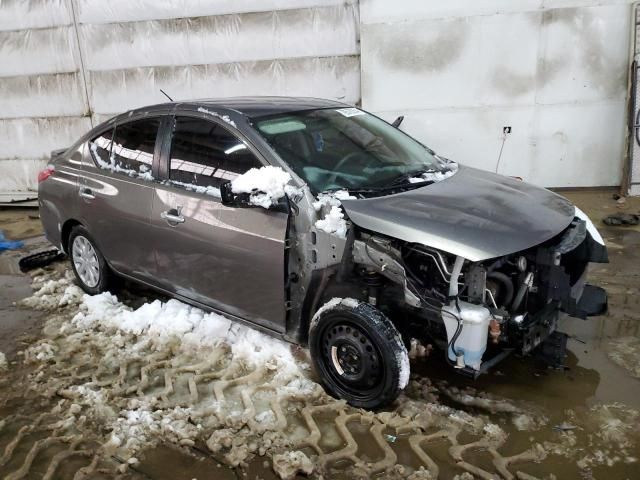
(26, 14)
(68, 64)
(461, 71)
(100, 11)
(34, 138)
(330, 77)
(29, 52)
(221, 39)
(50, 95)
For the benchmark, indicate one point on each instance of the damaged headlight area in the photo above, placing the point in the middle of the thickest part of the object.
(480, 312)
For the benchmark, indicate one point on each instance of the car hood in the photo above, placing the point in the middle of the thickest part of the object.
(474, 214)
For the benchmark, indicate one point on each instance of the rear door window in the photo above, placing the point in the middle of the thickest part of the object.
(101, 148)
(205, 154)
(129, 150)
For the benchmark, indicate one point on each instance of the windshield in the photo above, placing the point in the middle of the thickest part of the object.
(347, 148)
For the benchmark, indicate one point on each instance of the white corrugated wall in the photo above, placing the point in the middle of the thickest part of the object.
(459, 70)
(66, 65)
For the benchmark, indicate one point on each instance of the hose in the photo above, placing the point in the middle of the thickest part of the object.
(506, 282)
(522, 291)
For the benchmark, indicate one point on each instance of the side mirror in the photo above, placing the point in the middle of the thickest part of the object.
(233, 199)
(243, 200)
(396, 123)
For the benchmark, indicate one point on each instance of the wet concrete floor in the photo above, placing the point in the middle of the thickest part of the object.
(602, 367)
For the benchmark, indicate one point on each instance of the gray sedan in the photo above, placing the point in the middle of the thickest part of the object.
(322, 224)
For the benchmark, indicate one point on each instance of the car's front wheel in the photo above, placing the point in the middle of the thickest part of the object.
(358, 353)
(89, 266)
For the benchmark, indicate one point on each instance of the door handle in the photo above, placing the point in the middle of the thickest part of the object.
(172, 216)
(86, 193)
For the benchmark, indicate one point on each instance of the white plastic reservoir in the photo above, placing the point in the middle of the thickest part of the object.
(472, 341)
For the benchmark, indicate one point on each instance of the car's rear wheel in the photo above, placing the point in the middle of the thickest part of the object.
(88, 264)
(358, 353)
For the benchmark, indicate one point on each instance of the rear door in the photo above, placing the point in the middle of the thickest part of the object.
(116, 191)
(231, 259)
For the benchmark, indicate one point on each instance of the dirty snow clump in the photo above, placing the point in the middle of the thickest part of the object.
(289, 464)
(3, 362)
(333, 221)
(266, 185)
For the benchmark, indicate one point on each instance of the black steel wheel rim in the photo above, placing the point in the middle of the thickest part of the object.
(351, 359)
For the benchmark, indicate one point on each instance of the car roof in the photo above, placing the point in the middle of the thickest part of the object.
(263, 106)
(249, 106)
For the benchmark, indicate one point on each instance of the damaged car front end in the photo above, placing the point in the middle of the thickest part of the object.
(478, 264)
(492, 262)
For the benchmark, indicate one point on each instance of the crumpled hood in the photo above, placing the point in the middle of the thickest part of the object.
(474, 214)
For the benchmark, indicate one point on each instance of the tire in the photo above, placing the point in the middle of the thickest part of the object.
(90, 268)
(358, 353)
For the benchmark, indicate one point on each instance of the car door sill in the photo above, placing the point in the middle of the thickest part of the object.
(208, 308)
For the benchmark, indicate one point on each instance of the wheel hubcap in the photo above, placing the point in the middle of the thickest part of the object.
(351, 358)
(85, 261)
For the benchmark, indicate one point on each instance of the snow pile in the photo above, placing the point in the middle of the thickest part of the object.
(329, 206)
(625, 351)
(333, 223)
(332, 199)
(224, 118)
(189, 329)
(265, 185)
(53, 292)
(3, 362)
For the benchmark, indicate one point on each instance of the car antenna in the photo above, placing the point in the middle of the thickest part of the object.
(165, 94)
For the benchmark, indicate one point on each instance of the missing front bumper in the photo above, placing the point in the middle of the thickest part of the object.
(593, 302)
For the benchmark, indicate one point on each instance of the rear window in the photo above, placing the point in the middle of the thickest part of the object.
(128, 149)
(101, 148)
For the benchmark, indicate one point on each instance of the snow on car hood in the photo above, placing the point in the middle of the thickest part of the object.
(474, 213)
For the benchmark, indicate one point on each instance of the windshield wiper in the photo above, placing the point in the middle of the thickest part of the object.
(382, 189)
(405, 177)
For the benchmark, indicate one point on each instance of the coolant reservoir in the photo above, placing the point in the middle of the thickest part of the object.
(472, 341)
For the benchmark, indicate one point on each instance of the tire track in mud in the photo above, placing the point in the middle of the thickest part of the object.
(46, 446)
(119, 394)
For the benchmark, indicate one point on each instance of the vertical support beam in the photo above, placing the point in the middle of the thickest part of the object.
(80, 53)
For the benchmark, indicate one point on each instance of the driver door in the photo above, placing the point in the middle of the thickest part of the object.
(227, 258)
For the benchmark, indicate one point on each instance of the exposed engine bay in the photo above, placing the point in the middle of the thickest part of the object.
(510, 304)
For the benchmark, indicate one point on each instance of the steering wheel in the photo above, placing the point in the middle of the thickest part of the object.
(343, 161)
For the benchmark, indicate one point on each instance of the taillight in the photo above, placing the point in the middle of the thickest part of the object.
(46, 173)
